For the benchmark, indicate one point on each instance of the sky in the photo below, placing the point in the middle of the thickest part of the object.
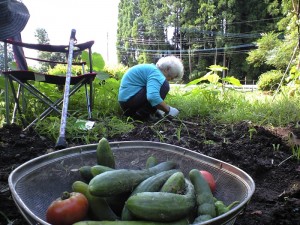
(92, 19)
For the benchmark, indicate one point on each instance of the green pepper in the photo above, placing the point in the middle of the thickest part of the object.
(221, 208)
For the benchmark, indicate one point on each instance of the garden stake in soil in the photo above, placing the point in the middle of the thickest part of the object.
(61, 141)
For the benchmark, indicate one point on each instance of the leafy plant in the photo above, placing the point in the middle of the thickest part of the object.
(214, 79)
(98, 62)
(270, 80)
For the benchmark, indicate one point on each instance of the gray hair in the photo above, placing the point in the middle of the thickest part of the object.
(173, 63)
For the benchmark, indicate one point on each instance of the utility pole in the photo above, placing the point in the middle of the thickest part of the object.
(224, 57)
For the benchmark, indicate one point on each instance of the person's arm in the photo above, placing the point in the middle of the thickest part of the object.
(164, 107)
(169, 110)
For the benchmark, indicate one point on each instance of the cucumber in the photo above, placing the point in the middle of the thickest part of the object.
(163, 166)
(97, 169)
(174, 184)
(105, 156)
(119, 181)
(162, 206)
(117, 202)
(98, 207)
(85, 172)
(180, 222)
(154, 183)
(151, 184)
(202, 218)
(204, 196)
(151, 161)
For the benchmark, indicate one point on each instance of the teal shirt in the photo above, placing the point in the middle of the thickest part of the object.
(139, 76)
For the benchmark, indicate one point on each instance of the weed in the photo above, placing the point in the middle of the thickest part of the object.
(251, 131)
(276, 147)
(296, 152)
(209, 142)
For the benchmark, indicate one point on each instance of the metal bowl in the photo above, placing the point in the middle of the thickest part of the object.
(36, 183)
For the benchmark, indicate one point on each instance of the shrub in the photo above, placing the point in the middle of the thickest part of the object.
(115, 71)
(269, 81)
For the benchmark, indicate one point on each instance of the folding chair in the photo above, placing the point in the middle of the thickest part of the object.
(26, 79)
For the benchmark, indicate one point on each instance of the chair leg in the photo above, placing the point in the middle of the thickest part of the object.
(53, 106)
(88, 101)
(91, 96)
(15, 106)
(17, 103)
(6, 100)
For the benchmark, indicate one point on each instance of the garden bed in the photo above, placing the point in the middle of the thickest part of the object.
(261, 152)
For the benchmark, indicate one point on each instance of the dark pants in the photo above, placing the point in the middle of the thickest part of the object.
(138, 106)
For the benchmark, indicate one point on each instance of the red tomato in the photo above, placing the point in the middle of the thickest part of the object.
(70, 208)
(210, 179)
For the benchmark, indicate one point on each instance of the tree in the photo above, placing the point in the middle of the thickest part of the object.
(203, 32)
(276, 49)
(42, 38)
(10, 57)
(141, 35)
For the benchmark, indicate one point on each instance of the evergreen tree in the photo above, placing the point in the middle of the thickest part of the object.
(203, 32)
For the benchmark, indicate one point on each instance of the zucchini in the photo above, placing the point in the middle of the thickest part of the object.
(151, 161)
(174, 184)
(119, 181)
(98, 207)
(97, 169)
(162, 206)
(105, 156)
(180, 222)
(151, 184)
(204, 196)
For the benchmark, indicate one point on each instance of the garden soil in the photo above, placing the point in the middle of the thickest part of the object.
(264, 153)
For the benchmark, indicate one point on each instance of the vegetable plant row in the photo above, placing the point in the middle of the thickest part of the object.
(159, 194)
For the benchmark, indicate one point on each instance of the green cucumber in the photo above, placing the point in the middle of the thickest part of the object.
(98, 207)
(180, 222)
(119, 181)
(163, 166)
(151, 161)
(151, 184)
(97, 169)
(117, 202)
(175, 184)
(162, 206)
(85, 172)
(105, 156)
(204, 196)
(202, 218)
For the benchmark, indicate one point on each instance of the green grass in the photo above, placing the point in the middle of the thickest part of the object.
(202, 102)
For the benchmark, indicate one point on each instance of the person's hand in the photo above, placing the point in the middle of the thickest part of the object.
(173, 111)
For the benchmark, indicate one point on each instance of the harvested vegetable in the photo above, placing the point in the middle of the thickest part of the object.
(210, 180)
(221, 208)
(68, 209)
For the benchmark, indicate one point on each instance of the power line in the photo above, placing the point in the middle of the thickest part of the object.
(228, 23)
(158, 51)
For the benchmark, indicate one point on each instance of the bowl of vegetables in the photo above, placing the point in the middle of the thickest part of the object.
(130, 182)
